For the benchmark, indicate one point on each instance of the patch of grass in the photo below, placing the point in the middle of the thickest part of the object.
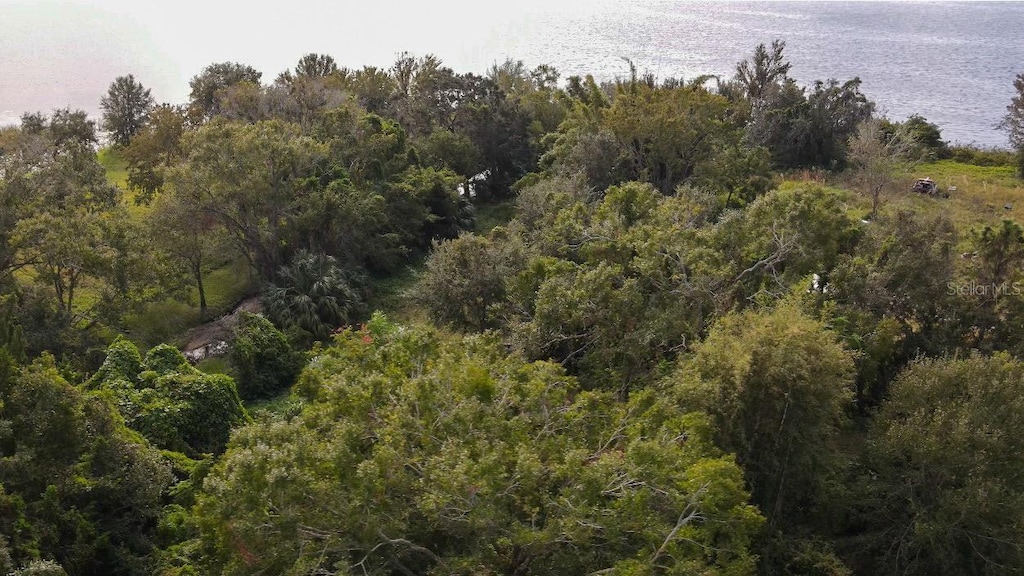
(160, 322)
(390, 294)
(283, 406)
(215, 366)
(492, 214)
(983, 195)
(950, 172)
(225, 286)
(117, 174)
(115, 165)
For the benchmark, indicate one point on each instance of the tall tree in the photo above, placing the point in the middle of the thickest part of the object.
(247, 177)
(125, 108)
(1013, 122)
(190, 237)
(204, 98)
(316, 66)
(155, 148)
(776, 386)
(768, 69)
(878, 156)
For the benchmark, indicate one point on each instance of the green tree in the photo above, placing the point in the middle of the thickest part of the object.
(942, 484)
(154, 149)
(927, 137)
(1013, 121)
(316, 66)
(192, 239)
(264, 361)
(78, 486)
(998, 267)
(902, 270)
(804, 130)
(766, 71)
(71, 229)
(125, 109)
(428, 456)
(669, 135)
(208, 85)
(463, 284)
(247, 178)
(776, 386)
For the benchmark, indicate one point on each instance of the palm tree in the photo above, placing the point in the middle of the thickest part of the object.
(311, 294)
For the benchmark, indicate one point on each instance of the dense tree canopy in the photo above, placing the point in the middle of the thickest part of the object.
(945, 487)
(209, 86)
(450, 456)
(79, 488)
(776, 387)
(647, 327)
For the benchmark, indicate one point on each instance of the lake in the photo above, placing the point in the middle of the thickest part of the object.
(953, 63)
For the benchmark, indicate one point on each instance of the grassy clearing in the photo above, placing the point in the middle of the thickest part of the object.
(117, 174)
(492, 214)
(161, 322)
(984, 195)
(279, 407)
(115, 165)
(391, 294)
(226, 286)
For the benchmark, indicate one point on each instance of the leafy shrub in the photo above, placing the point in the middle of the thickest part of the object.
(264, 361)
(313, 296)
(983, 156)
(171, 403)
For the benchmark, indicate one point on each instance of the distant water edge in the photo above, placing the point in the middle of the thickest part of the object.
(951, 62)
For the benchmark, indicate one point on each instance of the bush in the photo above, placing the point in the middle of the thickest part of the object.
(983, 156)
(171, 403)
(264, 361)
(312, 296)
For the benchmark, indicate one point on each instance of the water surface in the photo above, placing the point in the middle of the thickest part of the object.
(952, 62)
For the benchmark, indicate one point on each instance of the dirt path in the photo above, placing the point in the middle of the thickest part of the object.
(219, 330)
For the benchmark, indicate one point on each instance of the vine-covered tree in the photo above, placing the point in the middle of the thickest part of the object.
(174, 405)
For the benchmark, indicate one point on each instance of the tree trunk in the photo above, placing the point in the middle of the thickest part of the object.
(197, 272)
(875, 196)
